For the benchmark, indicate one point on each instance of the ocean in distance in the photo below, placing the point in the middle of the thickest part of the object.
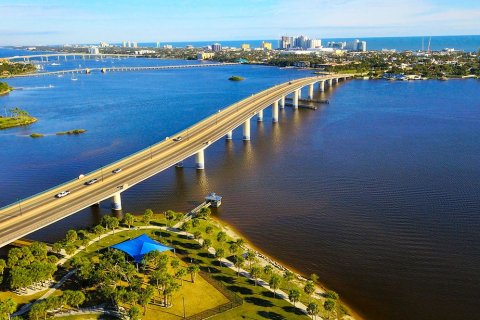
(376, 192)
(469, 43)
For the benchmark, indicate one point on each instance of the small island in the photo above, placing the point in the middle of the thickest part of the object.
(17, 117)
(69, 132)
(9, 68)
(4, 88)
(36, 135)
(236, 78)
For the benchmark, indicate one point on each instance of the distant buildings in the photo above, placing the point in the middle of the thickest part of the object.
(298, 43)
(205, 55)
(93, 50)
(355, 45)
(266, 45)
(245, 47)
(104, 45)
(216, 47)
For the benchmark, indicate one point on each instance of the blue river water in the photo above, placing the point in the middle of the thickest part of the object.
(376, 192)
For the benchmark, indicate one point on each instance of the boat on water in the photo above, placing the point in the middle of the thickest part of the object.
(55, 64)
(73, 77)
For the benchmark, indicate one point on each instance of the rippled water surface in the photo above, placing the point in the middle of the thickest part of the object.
(377, 192)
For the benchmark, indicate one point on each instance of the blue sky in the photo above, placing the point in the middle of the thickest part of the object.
(29, 22)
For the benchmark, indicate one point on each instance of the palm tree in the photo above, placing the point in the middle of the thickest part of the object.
(239, 261)
(268, 270)
(274, 283)
(329, 305)
(180, 274)
(312, 309)
(193, 270)
(255, 272)
(250, 257)
(309, 288)
(294, 295)
(220, 254)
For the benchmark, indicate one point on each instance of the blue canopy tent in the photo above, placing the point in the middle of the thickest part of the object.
(140, 246)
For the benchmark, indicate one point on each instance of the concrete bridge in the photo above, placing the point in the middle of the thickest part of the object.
(63, 56)
(28, 215)
(123, 69)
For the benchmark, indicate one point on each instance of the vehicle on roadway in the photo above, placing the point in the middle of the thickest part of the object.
(89, 182)
(62, 194)
(207, 142)
(179, 138)
(117, 170)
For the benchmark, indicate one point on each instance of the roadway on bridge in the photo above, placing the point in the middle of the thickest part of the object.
(20, 219)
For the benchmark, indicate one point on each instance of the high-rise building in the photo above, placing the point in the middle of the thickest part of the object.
(300, 42)
(314, 43)
(124, 44)
(216, 47)
(134, 44)
(362, 46)
(129, 44)
(286, 42)
(266, 45)
(158, 44)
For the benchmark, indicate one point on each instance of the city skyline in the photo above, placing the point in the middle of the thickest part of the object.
(54, 22)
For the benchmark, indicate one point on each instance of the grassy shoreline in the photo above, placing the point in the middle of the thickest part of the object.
(12, 122)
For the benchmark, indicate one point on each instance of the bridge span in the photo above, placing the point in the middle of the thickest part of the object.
(122, 69)
(59, 56)
(31, 214)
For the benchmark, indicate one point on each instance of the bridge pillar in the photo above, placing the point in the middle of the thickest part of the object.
(275, 111)
(117, 201)
(260, 116)
(246, 130)
(200, 160)
(229, 135)
(282, 103)
(335, 80)
(329, 81)
(321, 85)
(310, 91)
(300, 93)
(295, 98)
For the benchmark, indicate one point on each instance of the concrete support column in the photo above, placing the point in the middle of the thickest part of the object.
(116, 201)
(300, 93)
(321, 86)
(329, 81)
(229, 135)
(295, 98)
(310, 91)
(200, 160)
(246, 130)
(275, 111)
(260, 116)
(282, 103)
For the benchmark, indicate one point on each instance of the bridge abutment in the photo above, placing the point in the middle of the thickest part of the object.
(116, 201)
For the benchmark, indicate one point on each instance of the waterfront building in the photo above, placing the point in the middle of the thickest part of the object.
(134, 44)
(337, 45)
(314, 43)
(216, 47)
(205, 55)
(129, 44)
(362, 46)
(266, 45)
(141, 52)
(124, 44)
(104, 44)
(245, 47)
(158, 44)
(167, 46)
(300, 42)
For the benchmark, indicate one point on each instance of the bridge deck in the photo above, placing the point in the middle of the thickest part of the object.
(36, 212)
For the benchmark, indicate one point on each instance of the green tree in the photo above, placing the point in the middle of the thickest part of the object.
(239, 261)
(294, 295)
(147, 216)
(255, 272)
(186, 226)
(180, 274)
(195, 222)
(288, 275)
(233, 248)
(57, 247)
(197, 234)
(221, 237)
(134, 313)
(145, 297)
(170, 216)
(7, 307)
(330, 294)
(129, 219)
(309, 288)
(250, 256)
(175, 263)
(205, 213)
(274, 283)
(71, 236)
(193, 270)
(329, 305)
(268, 270)
(207, 243)
(220, 254)
(209, 229)
(98, 230)
(70, 249)
(313, 309)
(38, 311)
(240, 242)
(313, 277)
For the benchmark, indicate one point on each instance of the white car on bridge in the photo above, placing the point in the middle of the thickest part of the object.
(62, 194)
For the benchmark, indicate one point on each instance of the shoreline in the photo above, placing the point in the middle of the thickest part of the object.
(266, 258)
